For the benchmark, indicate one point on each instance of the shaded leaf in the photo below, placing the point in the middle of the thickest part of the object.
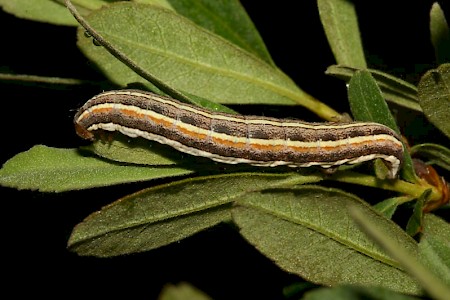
(186, 57)
(308, 231)
(56, 170)
(135, 151)
(440, 35)
(437, 154)
(164, 214)
(434, 97)
(182, 291)
(394, 89)
(341, 27)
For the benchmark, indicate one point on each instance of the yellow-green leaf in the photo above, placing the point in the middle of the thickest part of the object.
(56, 170)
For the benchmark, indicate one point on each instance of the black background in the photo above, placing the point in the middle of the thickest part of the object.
(36, 226)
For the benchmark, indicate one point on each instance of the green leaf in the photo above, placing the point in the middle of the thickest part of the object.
(432, 284)
(226, 18)
(135, 151)
(434, 97)
(435, 255)
(415, 222)
(437, 227)
(354, 293)
(434, 246)
(308, 231)
(437, 154)
(388, 207)
(56, 170)
(367, 104)
(48, 11)
(439, 32)
(182, 291)
(394, 89)
(165, 214)
(39, 10)
(185, 57)
(341, 27)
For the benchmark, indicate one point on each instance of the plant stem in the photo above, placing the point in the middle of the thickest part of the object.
(413, 189)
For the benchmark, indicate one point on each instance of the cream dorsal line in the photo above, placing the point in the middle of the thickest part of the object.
(233, 139)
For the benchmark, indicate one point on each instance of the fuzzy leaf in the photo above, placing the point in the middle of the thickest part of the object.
(135, 151)
(226, 18)
(185, 57)
(434, 246)
(47, 11)
(355, 292)
(308, 231)
(164, 214)
(434, 97)
(56, 170)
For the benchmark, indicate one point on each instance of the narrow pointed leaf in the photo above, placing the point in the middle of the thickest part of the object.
(164, 214)
(185, 57)
(434, 97)
(308, 231)
(341, 27)
(366, 101)
(394, 89)
(56, 170)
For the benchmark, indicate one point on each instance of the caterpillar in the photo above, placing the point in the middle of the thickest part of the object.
(232, 139)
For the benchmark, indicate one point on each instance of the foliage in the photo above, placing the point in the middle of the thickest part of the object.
(210, 54)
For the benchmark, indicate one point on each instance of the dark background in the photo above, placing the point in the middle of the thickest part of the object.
(36, 226)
